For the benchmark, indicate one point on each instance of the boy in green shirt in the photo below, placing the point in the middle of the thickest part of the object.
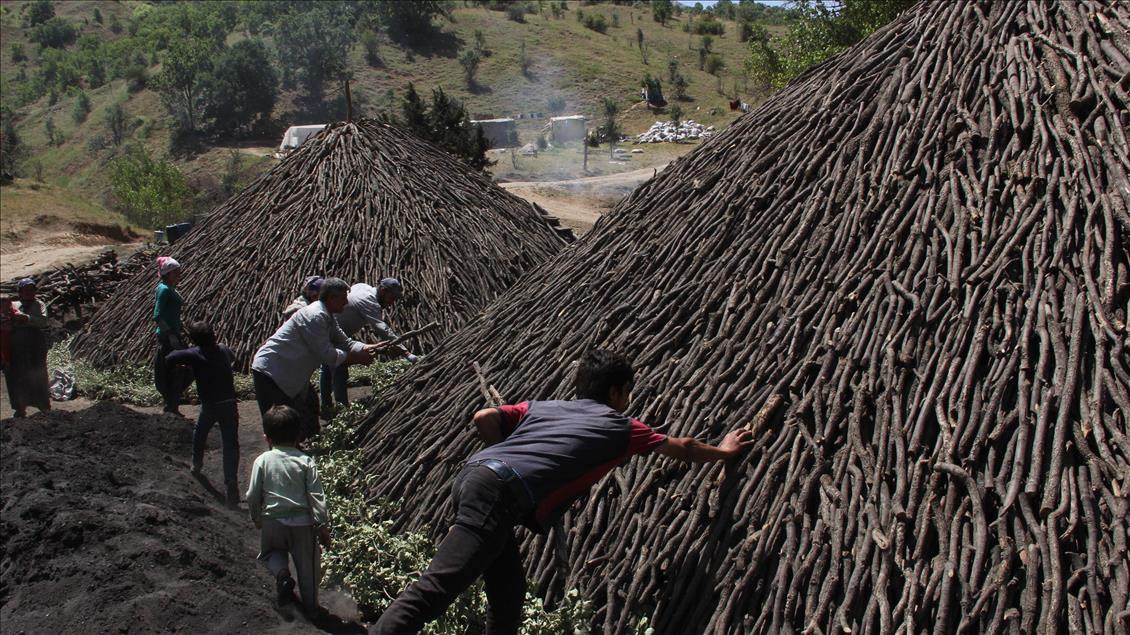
(288, 505)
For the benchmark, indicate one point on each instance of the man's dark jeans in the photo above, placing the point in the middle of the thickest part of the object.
(226, 414)
(334, 385)
(268, 394)
(481, 542)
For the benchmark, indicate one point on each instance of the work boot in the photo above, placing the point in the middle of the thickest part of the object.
(232, 496)
(284, 587)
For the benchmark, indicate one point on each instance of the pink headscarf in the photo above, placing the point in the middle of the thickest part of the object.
(166, 264)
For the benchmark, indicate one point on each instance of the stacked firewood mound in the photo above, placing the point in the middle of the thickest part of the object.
(360, 201)
(919, 252)
(77, 290)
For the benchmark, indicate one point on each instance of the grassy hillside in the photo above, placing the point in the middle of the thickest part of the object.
(567, 60)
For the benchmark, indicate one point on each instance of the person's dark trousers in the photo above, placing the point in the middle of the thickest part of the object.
(226, 414)
(335, 380)
(481, 542)
(268, 394)
(325, 386)
(163, 378)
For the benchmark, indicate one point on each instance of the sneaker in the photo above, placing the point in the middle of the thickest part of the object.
(284, 587)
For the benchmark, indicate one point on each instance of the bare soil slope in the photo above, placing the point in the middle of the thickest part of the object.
(103, 529)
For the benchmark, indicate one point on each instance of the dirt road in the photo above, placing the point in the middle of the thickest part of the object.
(580, 202)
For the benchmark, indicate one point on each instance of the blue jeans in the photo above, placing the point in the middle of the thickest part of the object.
(334, 379)
(225, 414)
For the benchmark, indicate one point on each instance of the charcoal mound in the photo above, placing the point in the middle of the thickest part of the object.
(921, 250)
(360, 201)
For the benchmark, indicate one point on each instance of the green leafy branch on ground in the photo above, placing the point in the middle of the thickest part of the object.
(133, 383)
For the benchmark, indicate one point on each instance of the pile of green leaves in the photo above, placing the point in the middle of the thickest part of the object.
(125, 383)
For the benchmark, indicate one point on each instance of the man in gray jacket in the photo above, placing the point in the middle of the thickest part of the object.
(282, 366)
(366, 308)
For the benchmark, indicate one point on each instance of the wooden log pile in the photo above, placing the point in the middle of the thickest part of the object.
(920, 250)
(76, 291)
(360, 201)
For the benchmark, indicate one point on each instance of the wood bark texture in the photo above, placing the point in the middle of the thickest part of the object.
(913, 262)
(360, 201)
(76, 291)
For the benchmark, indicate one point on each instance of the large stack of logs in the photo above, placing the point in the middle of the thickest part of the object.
(921, 250)
(360, 201)
(76, 291)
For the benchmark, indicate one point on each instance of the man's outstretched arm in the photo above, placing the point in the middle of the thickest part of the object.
(692, 450)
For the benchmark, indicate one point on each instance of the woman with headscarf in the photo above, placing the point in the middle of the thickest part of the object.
(166, 313)
(27, 366)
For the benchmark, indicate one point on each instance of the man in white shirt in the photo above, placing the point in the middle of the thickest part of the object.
(282, 366)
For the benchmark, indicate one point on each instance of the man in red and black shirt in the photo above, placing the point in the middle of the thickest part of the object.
(540, 457)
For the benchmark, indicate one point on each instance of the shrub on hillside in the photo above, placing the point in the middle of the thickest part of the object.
(707, 23)
(150, 192)
(37, 12)
(54, 33)
(596, 22)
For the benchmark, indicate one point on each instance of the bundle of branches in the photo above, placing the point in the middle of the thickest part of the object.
(360, 201)
(72, 290)
(920, 249)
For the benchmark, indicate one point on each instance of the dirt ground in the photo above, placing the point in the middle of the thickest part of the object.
(580, 202)
(104, 529)
(51, 243)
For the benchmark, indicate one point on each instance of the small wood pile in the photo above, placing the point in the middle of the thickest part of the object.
(76, 291)
(360, 201)
(921, 250)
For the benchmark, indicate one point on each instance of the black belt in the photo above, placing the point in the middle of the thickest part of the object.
(511, 478)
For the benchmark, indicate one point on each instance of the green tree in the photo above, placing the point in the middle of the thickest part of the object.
(524, 60)
(313, 45)
(446, 124)
(714, 63)
(184, 71)
(763, 65)
(97, 15)
(469, 60)
(610, 130)
(11, 148)
(54, 33)
(556, 105)
(676, 114)
(414, 114)
(596, 22)
(53, 137)
(18, 54)
(82, 107)
(242, 87)
(114, 118)
(150, 192)
(371, 43)
(37, 12)
(661, 10)
(412, 21)
(819, 32)
(680, 85)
